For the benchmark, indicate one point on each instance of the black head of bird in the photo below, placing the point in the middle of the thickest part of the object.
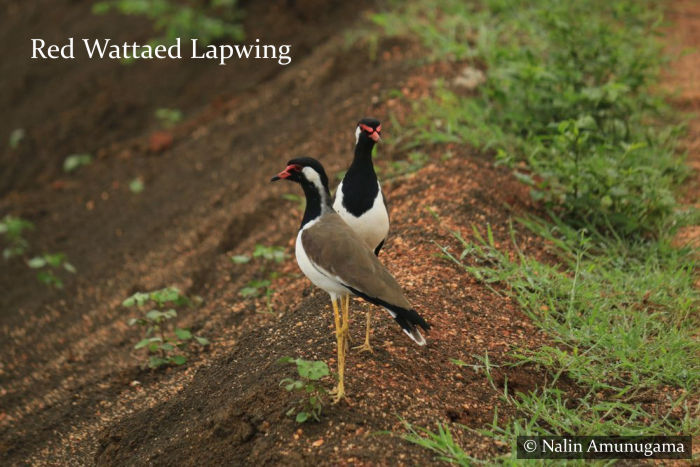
(295, 172)
(368, 129)
(309, 173)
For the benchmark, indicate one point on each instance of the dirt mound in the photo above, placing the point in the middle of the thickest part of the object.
(233, 410)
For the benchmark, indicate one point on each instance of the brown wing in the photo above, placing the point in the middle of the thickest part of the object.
(334, 246)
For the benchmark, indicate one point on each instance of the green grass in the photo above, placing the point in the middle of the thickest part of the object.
(622, 323)
(566, 92)
(621, 320)
(567, 104)
(621, 316)
(442, 443)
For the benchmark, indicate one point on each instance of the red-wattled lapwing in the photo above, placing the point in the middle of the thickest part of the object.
(336, 259)
(359, 199)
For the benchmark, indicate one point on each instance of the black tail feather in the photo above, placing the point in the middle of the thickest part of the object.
(407, 319)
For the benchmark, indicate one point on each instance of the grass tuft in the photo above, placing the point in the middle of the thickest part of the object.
(566, 93)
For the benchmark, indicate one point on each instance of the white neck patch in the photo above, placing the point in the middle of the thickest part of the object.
(314, 177)
(357, 134)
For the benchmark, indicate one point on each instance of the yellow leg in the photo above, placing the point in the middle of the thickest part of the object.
(339, 391)
(366, 347)
(346, 304)
(346, 318)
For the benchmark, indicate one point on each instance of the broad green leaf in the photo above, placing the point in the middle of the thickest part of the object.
(302, 417)
(54, 259)
(75, 161)
(167, 294)
(16, 137)
(156, 362)
(313, 370)
(48, 278)
(201, 340)
(144, 342)
(259, 283)
(36, 262)
(168, 117)
(183, 334)
(248, 292)
(154, 315)
(240, 259)
(101, 8)
(139, 298)
(179, 359)
(136, 185)
(11, 225)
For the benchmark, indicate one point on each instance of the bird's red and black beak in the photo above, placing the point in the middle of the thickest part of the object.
(286, 173)
(373, 133)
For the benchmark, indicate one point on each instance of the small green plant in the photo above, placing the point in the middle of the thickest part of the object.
(262, 286)
(310, 405)
(12, 228)
(164, 348)
(169, 117)
(255, 287)
(240, 259)
(270, 253)
(416, 160)
(75, 161)
(48, 263)
(136, 186)
(16, 137)
(208, 21)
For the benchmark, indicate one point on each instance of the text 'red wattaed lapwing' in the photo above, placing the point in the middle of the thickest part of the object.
(335, 259)
(359, 199)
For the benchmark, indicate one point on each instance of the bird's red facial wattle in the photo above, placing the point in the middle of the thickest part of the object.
(373, 133)
(288, 172)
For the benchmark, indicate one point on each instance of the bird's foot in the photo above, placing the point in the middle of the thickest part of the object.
(364, 347)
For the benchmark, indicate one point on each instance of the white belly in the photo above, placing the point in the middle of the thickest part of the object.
(317, 275)
(372, 226)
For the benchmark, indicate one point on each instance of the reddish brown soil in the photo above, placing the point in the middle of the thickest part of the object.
(683, 79)
(72, 390)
